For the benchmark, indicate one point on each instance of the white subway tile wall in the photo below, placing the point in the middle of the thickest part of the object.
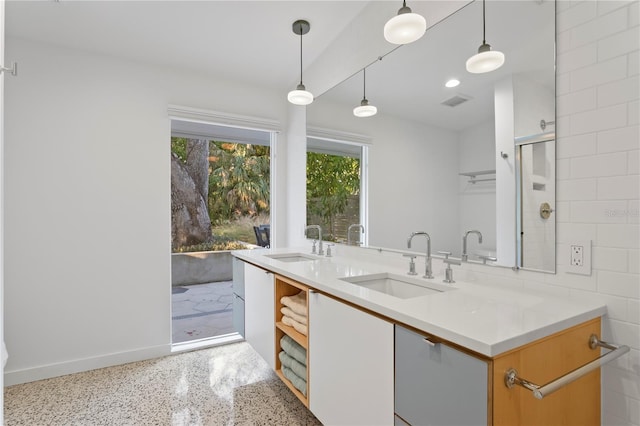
(598, 93)
(598, 191)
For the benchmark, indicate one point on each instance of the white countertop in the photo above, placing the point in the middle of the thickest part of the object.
(486, 319)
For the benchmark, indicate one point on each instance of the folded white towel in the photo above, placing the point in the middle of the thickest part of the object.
(297, 303)
(302, 319)
(300, 328)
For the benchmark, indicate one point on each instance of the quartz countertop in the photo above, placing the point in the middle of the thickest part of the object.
(486, 319)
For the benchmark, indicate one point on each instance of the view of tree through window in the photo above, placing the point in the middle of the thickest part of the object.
(333, 193)
(219, 191)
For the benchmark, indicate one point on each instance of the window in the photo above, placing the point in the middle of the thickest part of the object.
(336, 188)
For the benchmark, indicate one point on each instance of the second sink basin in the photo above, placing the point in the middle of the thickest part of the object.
(396, 285)
(291, 257)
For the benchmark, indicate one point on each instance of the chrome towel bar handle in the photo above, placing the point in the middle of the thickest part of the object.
(511, 376)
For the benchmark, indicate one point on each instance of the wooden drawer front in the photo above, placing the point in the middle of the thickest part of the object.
(541, 362)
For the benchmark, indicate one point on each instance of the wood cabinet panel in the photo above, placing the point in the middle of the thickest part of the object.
(541, 362)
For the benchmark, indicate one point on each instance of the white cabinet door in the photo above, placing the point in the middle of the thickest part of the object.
(259, 326)
(350, 364)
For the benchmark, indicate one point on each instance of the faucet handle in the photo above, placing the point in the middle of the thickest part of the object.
(485, 258)
(446, 254)
(313, 248)
(452, 261)
(329, 249)
(412, 264)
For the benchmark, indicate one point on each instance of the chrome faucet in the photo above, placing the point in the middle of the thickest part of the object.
(320, 250)
(428, 271)
(465, 256)
(355, 225)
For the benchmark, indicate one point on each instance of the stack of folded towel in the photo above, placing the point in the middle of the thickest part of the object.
(294, 311)
(293, 358)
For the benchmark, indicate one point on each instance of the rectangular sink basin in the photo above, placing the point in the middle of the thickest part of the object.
(397, 285)
(291, 257)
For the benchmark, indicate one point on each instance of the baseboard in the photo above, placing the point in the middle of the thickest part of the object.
(75, 366)
(208, 342)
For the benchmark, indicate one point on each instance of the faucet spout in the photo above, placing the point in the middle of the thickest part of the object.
(355, 225)
(428, 273)
(465, 256)
(320, 249)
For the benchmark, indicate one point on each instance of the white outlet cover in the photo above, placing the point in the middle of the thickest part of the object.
(585, 269)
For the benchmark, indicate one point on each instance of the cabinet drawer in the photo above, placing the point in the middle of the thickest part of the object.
(438, 385)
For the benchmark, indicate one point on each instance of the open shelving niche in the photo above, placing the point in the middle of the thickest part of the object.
(287, 287)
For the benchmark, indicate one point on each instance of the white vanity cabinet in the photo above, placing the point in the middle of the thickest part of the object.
(350, 364)
(436, 384)
(259, 292)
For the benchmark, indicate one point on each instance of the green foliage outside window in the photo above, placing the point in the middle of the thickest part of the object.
(331, 181)
(238, 180)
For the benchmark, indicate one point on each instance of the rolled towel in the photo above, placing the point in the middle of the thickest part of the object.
(297, 303)
(302, 319)
(293, 349)
(300, 328)
(298, 382)
(299, 369)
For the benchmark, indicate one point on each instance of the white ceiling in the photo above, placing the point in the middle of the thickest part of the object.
(248, 41)
(252, 42)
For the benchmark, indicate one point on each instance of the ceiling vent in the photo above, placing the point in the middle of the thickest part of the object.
(455, 100)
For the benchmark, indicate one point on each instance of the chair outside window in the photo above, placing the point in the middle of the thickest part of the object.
(263, 235)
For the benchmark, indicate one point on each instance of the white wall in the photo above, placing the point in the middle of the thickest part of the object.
(87, 204)
(295, 194)
(411, 188)
(505, 173)
(477, 201)
(2, 60)
(533, 102)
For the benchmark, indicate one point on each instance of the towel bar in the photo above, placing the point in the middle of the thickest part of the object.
(511, 376)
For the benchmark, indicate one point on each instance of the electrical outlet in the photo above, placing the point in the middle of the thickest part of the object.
(580, 258)
(577, 255)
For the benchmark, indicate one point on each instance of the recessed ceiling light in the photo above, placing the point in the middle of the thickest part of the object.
(452, 83)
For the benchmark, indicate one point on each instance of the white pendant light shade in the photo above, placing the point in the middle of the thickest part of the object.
(405, 27)
(486, 60)
(365, 110)
(300, 96)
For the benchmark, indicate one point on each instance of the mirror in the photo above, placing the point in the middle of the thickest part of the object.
(445, 160)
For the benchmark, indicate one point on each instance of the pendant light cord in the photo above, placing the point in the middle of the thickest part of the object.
(364, 83)
(484, 41)
(300, 53)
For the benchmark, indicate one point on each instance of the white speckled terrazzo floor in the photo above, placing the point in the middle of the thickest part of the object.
(226, 385)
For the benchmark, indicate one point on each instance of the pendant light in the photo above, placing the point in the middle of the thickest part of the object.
(300, 96)
(364, 110)
(406, 27)
(486, 60)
